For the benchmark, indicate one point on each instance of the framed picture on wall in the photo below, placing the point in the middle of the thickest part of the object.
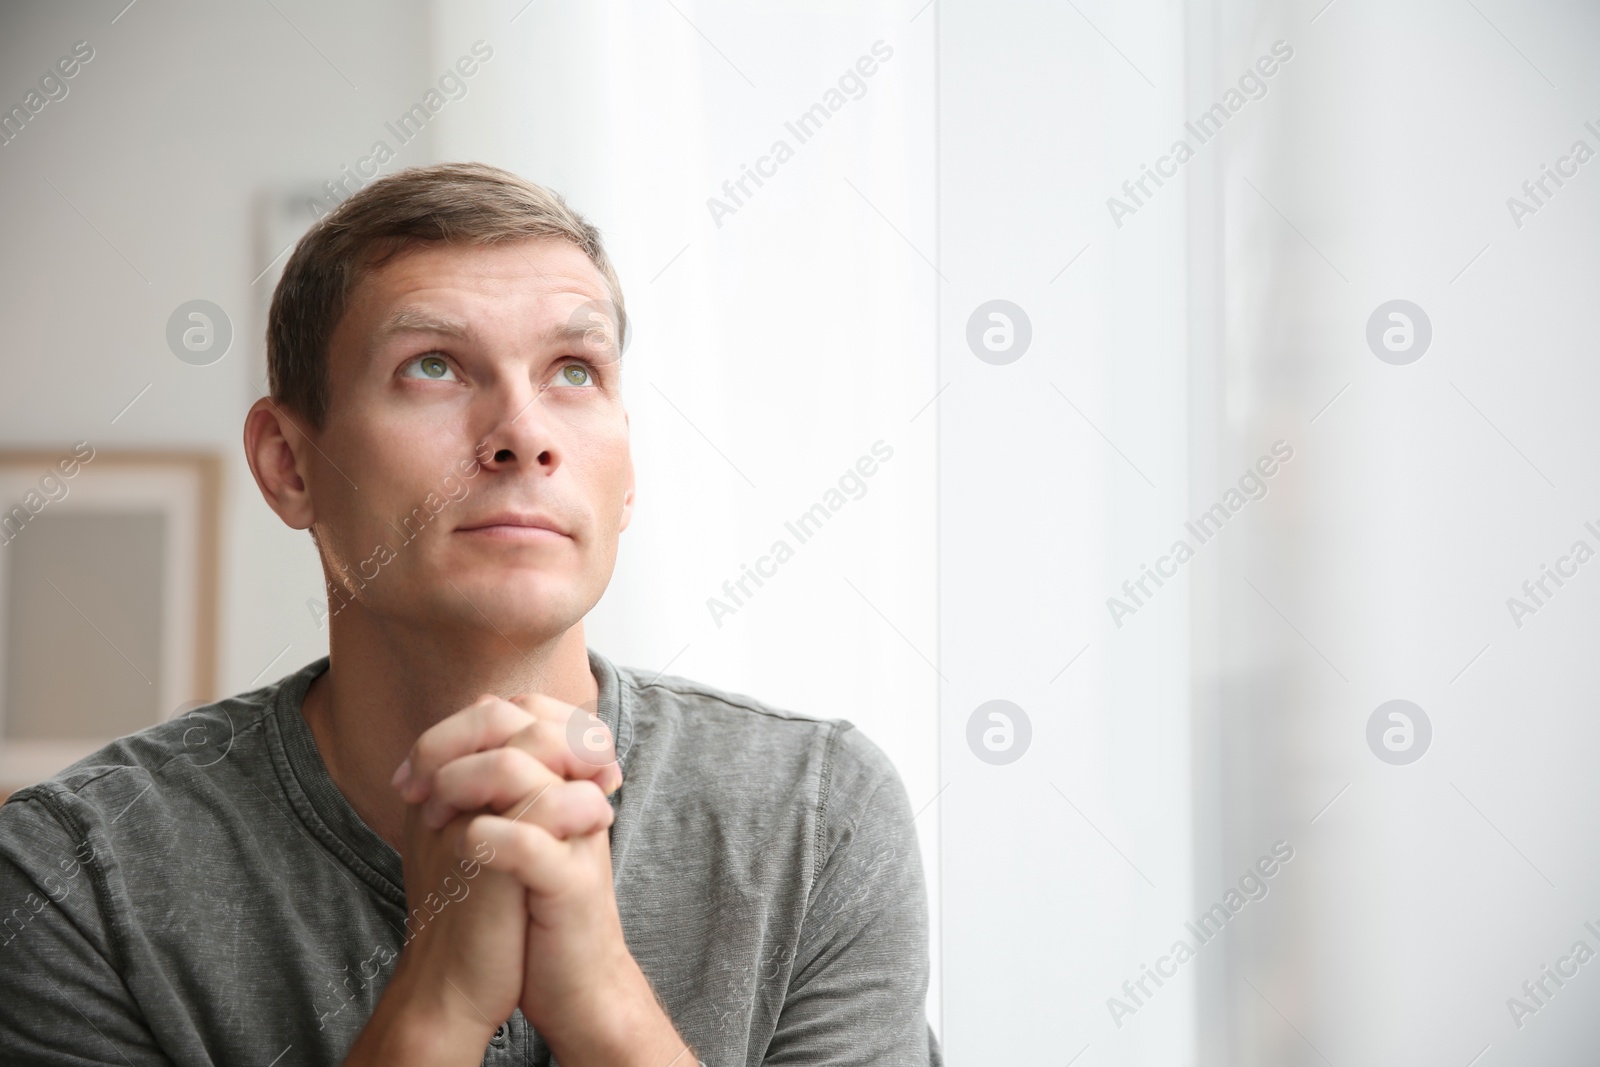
(108, 598)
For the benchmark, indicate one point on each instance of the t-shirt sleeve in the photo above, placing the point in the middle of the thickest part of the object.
(62, 1002)
(857, 991)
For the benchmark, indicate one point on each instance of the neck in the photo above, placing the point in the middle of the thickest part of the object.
(386, 684)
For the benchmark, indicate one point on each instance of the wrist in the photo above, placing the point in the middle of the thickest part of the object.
(422, 1021)
(625, 1025)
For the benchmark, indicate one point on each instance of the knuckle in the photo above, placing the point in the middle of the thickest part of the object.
(527, 736)
(547, 708)
(446, 780)
(426, 748)
(508, 763)
(509, 720)
(520, 845)
(478, 829)
(584, 804)
(502, 715)
(526, 706)
(465, 780)
(506, 705)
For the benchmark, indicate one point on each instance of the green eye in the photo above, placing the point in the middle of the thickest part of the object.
(433, 368)
(575, 374)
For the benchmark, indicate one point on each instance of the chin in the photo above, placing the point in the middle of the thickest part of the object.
(523, 599)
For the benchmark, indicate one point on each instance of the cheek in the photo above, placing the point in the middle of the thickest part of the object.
(609, 482)
(411, 440)
(375, 478)
(597, 450)
(400, 454)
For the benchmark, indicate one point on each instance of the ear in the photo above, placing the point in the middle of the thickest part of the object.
(627, 497)
(273, 446)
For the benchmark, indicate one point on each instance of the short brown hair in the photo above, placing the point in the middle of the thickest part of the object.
(470, 203)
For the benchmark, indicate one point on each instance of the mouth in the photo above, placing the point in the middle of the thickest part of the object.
(525, 527)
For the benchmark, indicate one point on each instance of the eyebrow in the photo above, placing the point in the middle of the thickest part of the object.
(413, 319)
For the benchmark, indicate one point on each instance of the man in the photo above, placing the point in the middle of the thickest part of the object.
(463, 836)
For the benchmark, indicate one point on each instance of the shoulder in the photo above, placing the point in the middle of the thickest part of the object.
(180, 765)
(706, 707)
(687, 696)
(740, 731)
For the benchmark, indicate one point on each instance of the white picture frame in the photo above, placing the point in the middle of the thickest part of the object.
(183, 490)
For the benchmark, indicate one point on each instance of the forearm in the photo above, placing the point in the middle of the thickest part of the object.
(628, 1029)
(415, 1023)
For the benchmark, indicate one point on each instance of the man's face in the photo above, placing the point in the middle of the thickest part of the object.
(468, 409)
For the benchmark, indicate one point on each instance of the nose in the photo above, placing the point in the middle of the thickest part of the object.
(521, 435)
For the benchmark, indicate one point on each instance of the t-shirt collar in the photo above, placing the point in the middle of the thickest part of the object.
(328, 815)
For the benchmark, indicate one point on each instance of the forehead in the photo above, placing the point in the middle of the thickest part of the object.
(527, 275)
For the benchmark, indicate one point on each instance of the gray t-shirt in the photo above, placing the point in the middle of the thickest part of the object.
(200, 892)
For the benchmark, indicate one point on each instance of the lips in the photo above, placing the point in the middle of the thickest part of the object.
(515, 524)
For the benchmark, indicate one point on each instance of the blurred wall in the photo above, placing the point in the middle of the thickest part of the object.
(1428, 485)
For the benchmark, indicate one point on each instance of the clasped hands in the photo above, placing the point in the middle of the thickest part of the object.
(508, 878)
